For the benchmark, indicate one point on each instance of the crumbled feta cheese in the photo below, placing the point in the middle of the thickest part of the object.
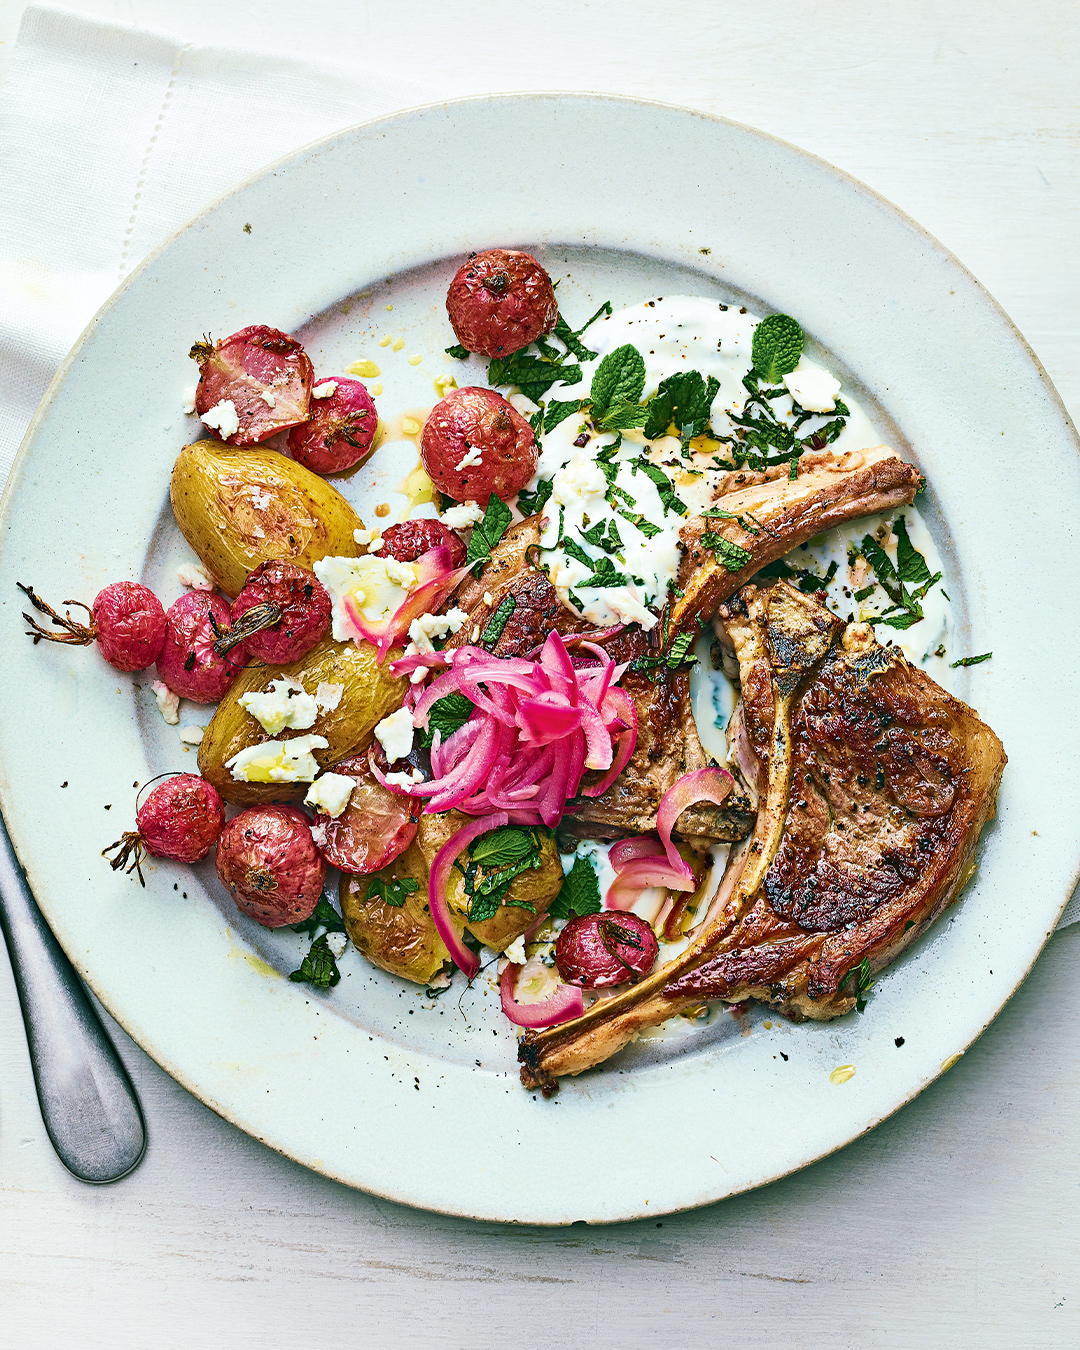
(376, 585)
(284, 704)
(395, 734)
(523, 404)
(330, 793)
(474, 455)
(424, 630)
(461, 517)
(223, 417)
(189, 398)
(375, 546)
(194, 576)
(419, 675)
(328, 696)
(440, 981)
(337, 943)
(363, 536)
(405, 780)
(516, 951)
(813, 389)
(488, 598)
(325, 389)
(192, 735)
(268, 397)
(578, 481)
(278, 761)
(168, 703)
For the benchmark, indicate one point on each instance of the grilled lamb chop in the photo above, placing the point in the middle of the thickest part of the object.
(770, 513)
(781, 513)
(875, 785)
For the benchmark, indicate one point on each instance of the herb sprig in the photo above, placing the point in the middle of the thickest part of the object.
(319, 966)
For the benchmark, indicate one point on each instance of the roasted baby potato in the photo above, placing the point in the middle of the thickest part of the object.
(368, 695)
(240, 507)
(537, 886)
(401, 939)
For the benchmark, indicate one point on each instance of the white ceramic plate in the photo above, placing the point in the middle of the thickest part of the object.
(368, 1084)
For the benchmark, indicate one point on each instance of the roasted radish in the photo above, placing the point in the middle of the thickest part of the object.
(126, 621)
(181, 819)
(252, 385)
(373, 829)
(474, 444)
(269, 862)
(341, 429)
(603, 949)
(281, 613)
(500, 301)
(189, 663)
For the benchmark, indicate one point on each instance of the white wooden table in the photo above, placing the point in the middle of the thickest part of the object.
(954, 1223)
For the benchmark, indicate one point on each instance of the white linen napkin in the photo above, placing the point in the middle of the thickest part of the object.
(112, 137)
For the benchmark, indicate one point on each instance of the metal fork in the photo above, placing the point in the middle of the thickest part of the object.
(88, 1104)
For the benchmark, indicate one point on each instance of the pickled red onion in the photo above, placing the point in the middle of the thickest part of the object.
(560, 1005)
(435, 579)
(443, 861)
(535, 728)
(642, 861)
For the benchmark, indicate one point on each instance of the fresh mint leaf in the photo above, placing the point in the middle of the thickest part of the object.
(318, 968)
(910, 564)
(324, 915)
(679, 651)
(533, 376)
(574, 550)
(663, 484)
(457, 351)
(863, 982)
(619, 378)
(777, 347)
(647, 528)
(971, 660)
(622, 417)
(502, 847)
(487, 532)
(557, 412)
(532, 503)
(604, 534)
(604, 575)
(498, 621)
(880, 561)
(579, 894)
(483, 907)
(684, 399)
(445, 716)
(391, 891)
(495, 859)
(901, 620)
(733, 556)
(569, 337)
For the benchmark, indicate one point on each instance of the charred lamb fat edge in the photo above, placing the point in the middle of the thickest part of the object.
(828, 490)
(934, 772)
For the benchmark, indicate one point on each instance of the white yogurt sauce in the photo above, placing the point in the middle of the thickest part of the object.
(683, 333)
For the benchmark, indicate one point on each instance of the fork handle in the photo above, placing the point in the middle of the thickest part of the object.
(88, 1104)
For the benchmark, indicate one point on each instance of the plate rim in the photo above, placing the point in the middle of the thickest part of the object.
(283, 162)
